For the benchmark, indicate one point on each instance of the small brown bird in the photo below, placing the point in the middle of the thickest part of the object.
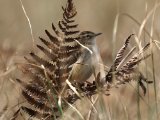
(84, 67)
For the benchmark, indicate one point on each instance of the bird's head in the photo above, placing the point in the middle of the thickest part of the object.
(88, 37)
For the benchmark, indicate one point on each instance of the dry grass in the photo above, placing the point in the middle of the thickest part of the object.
(116, 20)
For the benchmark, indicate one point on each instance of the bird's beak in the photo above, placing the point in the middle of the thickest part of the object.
(98, 34)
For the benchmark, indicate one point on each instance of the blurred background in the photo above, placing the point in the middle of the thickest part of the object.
(97, 16)
(93, 15)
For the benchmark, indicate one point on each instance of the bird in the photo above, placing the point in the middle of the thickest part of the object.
(88, 59)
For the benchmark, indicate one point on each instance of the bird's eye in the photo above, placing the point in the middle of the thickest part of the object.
(88, 36)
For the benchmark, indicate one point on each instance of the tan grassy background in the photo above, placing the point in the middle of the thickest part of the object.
(93, 15)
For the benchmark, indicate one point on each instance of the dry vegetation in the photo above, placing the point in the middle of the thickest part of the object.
(116, 20)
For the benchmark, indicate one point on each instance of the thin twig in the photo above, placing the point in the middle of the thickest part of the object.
(29, 23)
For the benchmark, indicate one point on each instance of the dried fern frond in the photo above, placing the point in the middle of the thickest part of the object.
(118, 59)
(129, 71)
(48, 74)
(136, 58)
